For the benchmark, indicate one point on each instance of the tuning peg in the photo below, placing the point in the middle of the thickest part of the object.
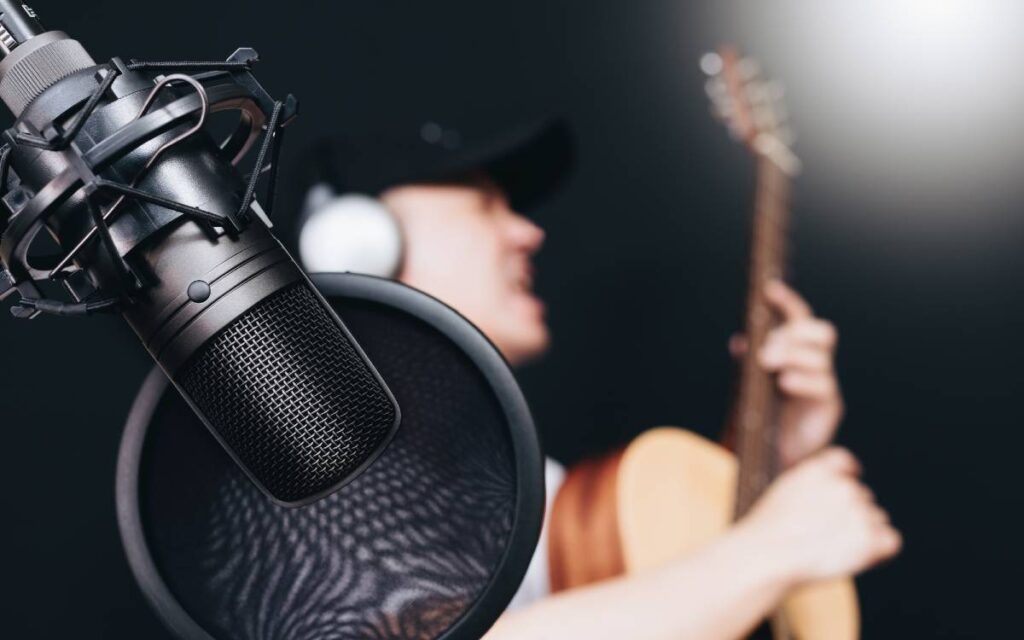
(763, 118)
(748, 69)
(776, 91)
(716, 88)
(718, 93)
(774, 94)
(756, 93)
(711, 63)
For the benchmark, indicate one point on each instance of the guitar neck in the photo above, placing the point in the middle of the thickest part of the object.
(755, 422)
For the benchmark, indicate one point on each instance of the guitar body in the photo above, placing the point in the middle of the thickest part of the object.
(663, 496)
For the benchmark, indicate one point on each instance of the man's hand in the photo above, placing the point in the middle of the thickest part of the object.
(800, 352)
(818, 521)
(815, 521)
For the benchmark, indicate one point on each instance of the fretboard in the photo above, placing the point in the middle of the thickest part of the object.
(755, 426)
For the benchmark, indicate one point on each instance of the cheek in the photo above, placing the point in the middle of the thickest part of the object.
(479, 264)
(461, 264)
(475, 267)
(444, 254)
(467, 277)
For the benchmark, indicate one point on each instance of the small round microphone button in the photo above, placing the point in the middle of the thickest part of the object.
(199, 291)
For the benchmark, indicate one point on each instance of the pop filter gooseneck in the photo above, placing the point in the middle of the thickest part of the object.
(431, 541)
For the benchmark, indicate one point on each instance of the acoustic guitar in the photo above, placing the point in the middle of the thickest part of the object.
(671, 491)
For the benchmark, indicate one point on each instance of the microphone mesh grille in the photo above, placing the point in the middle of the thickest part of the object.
(406, 551)
(287, 392)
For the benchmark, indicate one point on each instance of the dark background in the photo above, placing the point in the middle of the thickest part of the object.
(643, 272)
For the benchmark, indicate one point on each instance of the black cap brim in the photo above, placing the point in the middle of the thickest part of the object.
(530, 161)
(535, 164)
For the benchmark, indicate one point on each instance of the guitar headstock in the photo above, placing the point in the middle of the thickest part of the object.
(750, 106)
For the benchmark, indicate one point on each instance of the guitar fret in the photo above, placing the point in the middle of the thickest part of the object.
(756, 428)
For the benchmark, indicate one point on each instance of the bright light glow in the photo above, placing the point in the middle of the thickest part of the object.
(912, 98)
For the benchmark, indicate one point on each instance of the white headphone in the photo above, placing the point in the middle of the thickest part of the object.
(351, 232)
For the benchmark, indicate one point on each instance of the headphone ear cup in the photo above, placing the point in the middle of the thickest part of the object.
(352, 232)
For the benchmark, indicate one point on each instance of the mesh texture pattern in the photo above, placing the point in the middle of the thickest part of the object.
(403, 552)
(287, 392)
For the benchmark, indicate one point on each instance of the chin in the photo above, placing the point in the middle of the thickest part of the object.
(526, 344)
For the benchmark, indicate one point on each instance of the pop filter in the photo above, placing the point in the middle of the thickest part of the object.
(431, 541)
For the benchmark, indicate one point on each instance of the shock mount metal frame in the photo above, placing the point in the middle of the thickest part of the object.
(218, 86)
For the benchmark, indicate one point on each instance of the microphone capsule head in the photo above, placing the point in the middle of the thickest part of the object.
(291, 397)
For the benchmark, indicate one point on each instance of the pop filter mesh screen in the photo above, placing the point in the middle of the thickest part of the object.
(403, 551)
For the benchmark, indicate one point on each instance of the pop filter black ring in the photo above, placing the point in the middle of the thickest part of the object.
(529, 507)
(129, 520)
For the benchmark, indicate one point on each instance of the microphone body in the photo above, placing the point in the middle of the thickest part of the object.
(153, 218)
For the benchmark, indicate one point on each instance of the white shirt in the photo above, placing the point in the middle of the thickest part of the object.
(536, 584)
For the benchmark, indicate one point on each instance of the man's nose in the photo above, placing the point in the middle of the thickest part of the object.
(527, 234)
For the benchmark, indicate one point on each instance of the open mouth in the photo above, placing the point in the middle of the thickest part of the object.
(523, 282)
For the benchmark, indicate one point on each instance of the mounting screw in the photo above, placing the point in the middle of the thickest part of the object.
(199, 291)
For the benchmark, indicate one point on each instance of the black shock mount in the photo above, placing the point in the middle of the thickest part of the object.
(215, 86)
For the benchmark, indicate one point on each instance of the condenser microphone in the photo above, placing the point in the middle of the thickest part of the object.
(151, 217)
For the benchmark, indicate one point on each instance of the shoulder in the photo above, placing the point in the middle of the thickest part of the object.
(554, 476)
